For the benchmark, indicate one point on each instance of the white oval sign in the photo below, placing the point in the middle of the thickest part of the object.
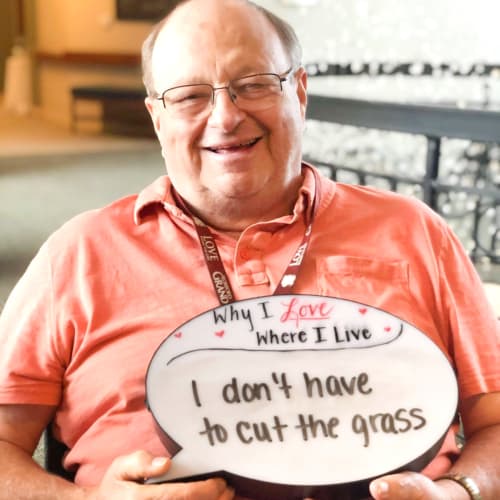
(299, 392)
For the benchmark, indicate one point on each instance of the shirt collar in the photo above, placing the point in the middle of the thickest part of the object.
(305, 199)
(156, 195)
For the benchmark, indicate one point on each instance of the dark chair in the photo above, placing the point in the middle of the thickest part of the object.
(54, 455)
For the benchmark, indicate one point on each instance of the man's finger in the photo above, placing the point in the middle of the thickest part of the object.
(407, 485)
(138, 466)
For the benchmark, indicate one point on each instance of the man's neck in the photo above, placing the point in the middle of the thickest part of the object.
(232, 216)
(232, 221)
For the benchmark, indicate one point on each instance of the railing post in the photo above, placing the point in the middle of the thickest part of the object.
(431, 171)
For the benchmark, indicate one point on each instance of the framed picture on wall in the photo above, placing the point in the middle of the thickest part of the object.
(141, 10)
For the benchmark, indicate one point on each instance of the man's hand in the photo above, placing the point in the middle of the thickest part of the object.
(123, 481)
(414, 486)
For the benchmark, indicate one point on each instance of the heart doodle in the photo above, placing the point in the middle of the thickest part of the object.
(220, 333)
(178, 335)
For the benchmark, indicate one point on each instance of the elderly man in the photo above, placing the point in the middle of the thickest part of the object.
(227, 96)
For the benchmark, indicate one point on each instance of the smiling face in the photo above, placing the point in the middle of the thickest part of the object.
(231, 164)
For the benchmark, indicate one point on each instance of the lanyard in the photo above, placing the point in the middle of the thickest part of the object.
(215, 265)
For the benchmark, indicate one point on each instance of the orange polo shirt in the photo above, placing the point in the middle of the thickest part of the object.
(81, 326)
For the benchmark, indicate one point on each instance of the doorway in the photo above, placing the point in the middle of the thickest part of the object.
(10, 29)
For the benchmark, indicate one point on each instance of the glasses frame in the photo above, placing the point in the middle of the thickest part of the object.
(282, 77)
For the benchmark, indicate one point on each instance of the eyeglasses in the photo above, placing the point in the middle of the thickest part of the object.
(250, 93)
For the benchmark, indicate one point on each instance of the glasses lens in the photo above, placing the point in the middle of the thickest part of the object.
(188, 100)
(256, 92)
(250, 93)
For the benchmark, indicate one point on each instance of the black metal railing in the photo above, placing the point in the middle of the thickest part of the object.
(479, 165)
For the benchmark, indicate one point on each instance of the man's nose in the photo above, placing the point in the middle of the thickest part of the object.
(225, 113)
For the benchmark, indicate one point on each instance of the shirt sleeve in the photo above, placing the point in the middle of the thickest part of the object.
(31, 361)
(475, 339)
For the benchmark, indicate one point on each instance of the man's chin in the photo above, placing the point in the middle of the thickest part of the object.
(238, 185)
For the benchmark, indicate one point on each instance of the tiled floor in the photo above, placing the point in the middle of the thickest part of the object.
(48, 175)
(31, 135)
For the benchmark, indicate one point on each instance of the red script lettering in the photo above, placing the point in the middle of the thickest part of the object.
(297, 311)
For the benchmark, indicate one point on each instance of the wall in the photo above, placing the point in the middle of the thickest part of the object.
(459, 32)
(451, 31)
(7, 34)
(86, 26)
(81, 27)
(392, 30)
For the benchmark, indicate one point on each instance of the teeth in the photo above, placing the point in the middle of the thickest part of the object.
(243, 144)
(253, 141)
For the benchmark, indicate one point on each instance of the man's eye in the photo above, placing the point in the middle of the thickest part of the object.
(252, 87)
(187, 96)
(252, 90)
(195, 97)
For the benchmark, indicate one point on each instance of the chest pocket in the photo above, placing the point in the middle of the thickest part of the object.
(379, 283)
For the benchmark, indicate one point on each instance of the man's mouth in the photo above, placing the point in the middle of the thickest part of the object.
(233, 147)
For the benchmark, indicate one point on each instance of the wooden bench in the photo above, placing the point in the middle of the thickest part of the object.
(123, 109)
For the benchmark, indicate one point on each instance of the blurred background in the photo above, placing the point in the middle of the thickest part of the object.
(404, 96)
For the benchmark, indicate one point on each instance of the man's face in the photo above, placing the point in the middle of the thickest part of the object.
(230, 154)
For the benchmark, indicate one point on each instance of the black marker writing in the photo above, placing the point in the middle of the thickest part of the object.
(247, 432)
(387, 423)
(271, 337)
(194, 388)
(336, 386)
(216, 433)
(264, 309)
(351, 334)
(282, 384)
(313, 427)
(232, 313)
(319, 334)
(235, 392)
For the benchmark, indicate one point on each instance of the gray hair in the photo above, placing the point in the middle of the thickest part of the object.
(285, 32)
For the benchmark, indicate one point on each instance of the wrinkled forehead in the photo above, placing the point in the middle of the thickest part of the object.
(218, 40)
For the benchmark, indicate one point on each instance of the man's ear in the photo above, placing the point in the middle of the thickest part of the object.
(301, 79)
(154, 112)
